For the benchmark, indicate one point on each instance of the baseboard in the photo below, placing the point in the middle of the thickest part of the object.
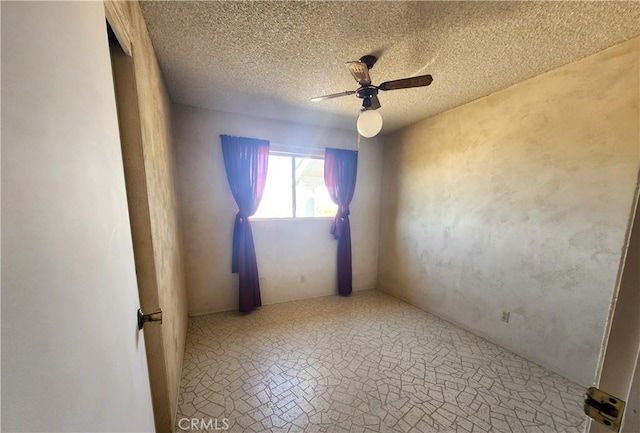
(482, 335)
(279, 302)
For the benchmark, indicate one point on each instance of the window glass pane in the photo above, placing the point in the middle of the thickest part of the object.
(277, 198)
(312, 197)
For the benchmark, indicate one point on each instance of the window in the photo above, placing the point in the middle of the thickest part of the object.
(295, 188)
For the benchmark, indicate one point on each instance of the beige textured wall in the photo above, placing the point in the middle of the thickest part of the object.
(296, 258)
(519, 202)
(154, 213)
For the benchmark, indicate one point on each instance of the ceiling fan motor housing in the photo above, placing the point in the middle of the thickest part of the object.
(366, 93)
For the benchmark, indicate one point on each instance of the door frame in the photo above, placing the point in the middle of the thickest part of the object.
(123, 62)
(620, 349)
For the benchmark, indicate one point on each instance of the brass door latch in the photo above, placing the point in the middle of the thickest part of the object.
(604, 408)
(153, 317)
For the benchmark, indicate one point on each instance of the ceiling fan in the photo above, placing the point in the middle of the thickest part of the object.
(368, 122)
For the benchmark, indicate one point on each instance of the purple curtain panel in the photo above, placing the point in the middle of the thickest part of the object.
(340, 169)
(246, 161)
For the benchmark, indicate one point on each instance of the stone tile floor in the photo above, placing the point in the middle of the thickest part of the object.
(366, 363)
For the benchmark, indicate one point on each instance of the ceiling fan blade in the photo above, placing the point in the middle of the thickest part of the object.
(375, 103)
(406, 83)
(360, 72)
(334, 95)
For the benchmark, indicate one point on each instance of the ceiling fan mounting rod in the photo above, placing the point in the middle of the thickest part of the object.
(369, 60)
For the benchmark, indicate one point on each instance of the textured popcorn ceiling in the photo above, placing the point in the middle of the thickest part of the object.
(269, 58)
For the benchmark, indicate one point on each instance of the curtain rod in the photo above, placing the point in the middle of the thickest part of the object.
(311, 150)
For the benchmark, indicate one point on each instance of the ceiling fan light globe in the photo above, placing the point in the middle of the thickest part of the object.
(369, 123)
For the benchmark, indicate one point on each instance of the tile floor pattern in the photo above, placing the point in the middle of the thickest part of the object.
(366, 363)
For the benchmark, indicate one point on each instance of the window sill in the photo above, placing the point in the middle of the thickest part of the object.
(258, 219)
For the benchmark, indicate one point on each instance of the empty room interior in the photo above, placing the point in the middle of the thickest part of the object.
(310, 216)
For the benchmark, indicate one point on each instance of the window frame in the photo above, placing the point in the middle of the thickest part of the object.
(293, 155)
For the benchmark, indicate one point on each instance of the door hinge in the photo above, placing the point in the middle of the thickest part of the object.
(153, 317)
(604, 408)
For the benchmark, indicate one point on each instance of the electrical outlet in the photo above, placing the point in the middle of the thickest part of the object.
(505, 316)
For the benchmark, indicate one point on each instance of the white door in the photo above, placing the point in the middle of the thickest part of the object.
(72, 356)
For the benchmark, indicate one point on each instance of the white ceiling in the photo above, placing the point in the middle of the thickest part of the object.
(269, 58)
